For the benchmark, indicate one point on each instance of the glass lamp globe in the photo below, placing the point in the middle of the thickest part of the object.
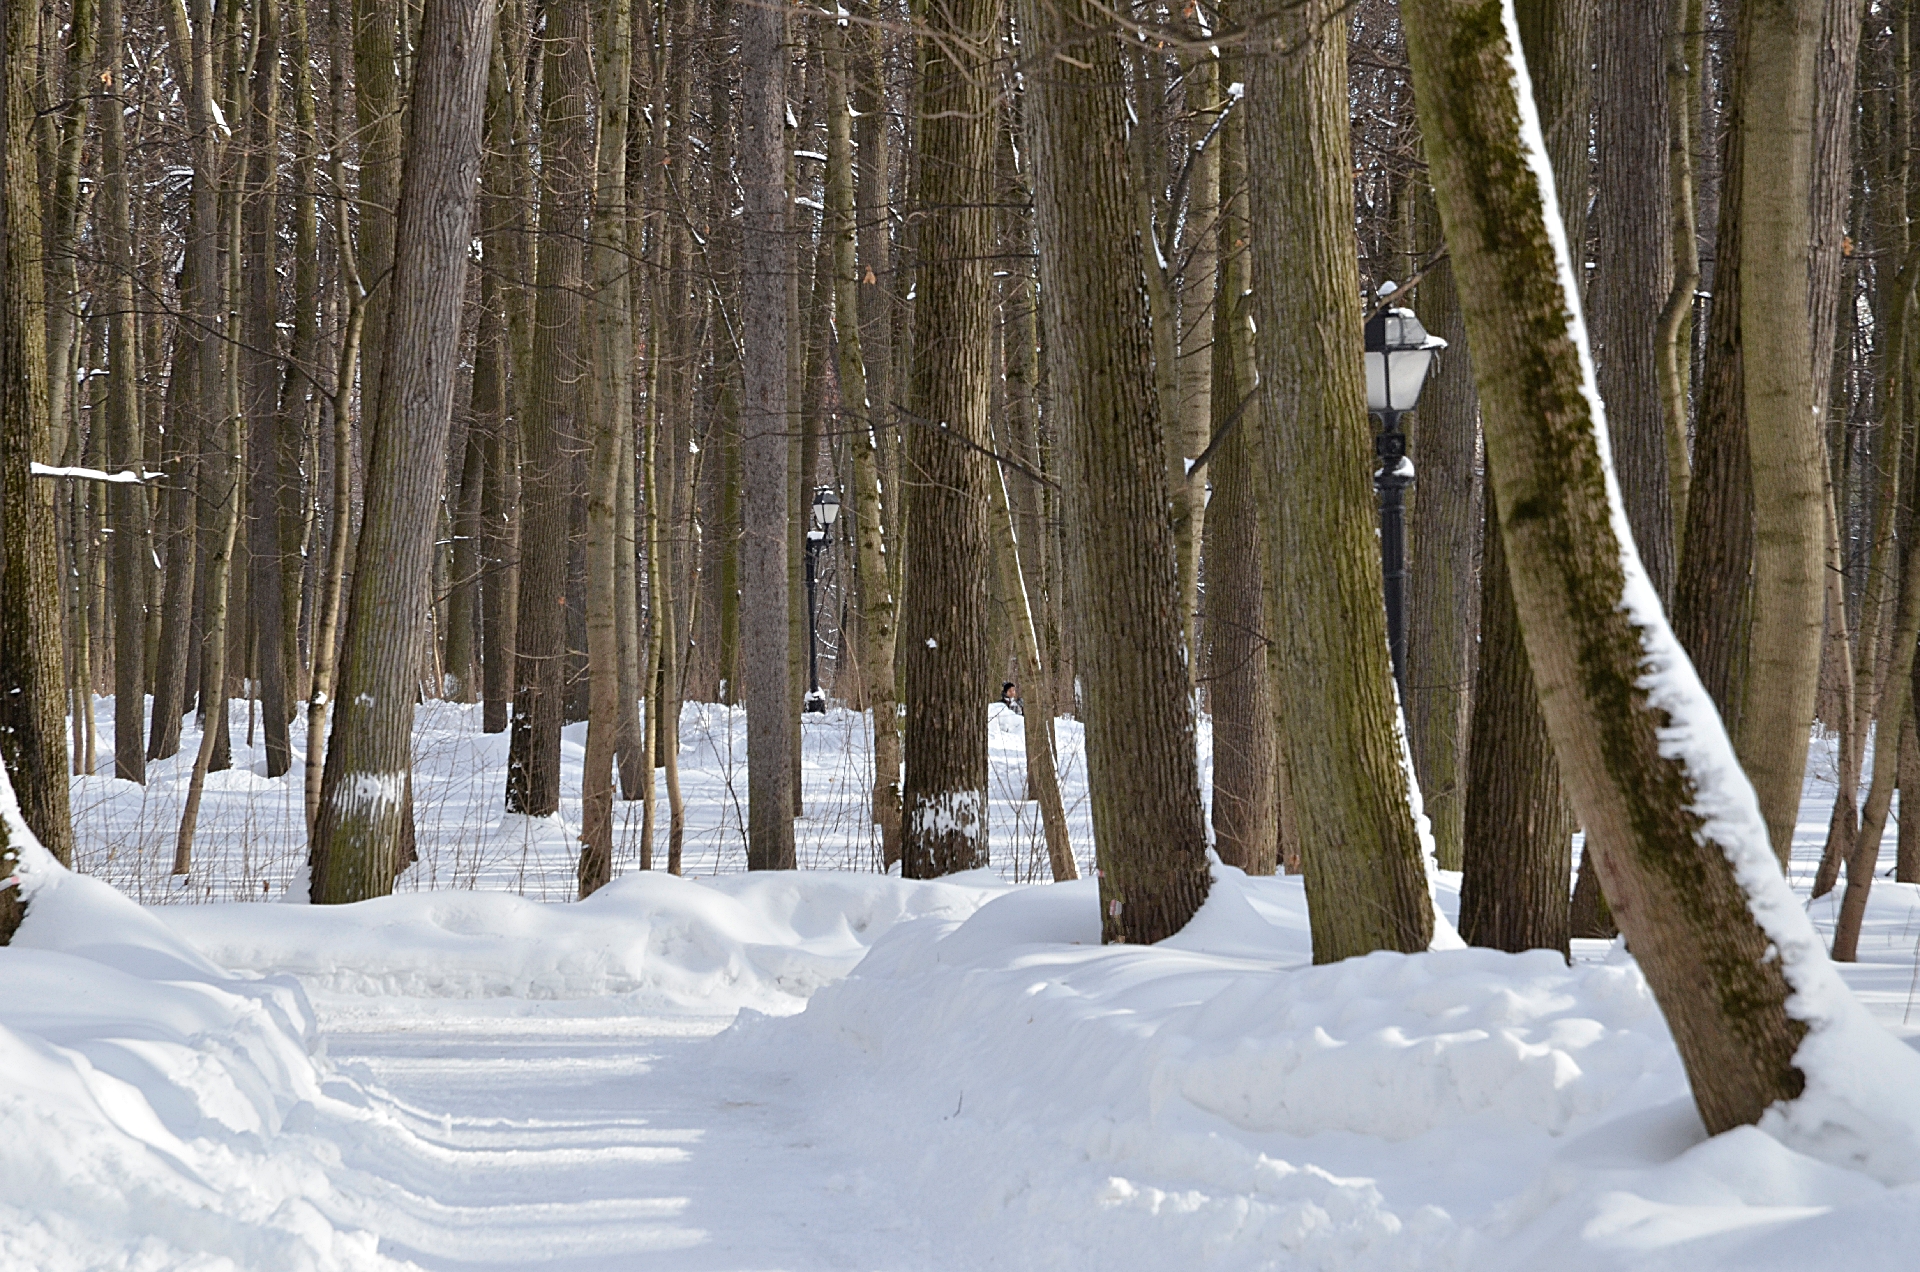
(826, 507)
(1399, 353)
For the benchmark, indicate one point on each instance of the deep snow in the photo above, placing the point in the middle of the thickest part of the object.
(467, 1078)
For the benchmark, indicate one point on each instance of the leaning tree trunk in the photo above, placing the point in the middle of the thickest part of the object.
(765, 257)
(1518, 831)
(32, 660)
(1366, 881)
(357, 837)
(944, 814)
(1149, 827)
(1686, 886)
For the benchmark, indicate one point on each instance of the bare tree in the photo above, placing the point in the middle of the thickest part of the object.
(356, 838)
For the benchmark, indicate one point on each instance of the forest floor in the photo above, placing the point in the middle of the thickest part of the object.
(839, 1070)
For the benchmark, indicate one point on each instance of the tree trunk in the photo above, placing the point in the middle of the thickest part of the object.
(1366, 882)
(1442, 601)
(610, 311)
(1713, 598)
(1519, 830)
(331, 587)
(1786, 439)
(1673, 342)
(358, 834)
(1148, 824)
(126, 504)
(549, 431)
(766, 256)
(852, 301)
(1631, 274)
(944, 815)
(266, 448)
(32, 663)
(1247, 824)
(1613, 681)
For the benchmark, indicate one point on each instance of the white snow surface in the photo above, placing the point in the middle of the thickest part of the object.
(838, 1069)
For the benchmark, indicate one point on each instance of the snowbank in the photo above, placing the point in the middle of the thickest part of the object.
(765, 941)
(156, 1108)
(1218, 1101)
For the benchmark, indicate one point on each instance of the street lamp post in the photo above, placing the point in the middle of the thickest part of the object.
(1399, 352)
(826, 507)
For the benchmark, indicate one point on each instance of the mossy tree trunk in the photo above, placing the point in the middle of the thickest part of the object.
(1592, 623)
(1517, 827)
(1366, 882)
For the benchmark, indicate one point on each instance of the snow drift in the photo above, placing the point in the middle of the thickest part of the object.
(1218, 1101)
(764, 941)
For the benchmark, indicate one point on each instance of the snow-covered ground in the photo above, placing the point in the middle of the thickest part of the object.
(834, 1069)
(252, 835)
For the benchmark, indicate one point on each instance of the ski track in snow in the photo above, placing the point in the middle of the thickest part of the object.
(514, 1084)
(593, 1141)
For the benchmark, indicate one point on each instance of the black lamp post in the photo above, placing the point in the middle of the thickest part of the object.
(1399, 353)
(826, 507)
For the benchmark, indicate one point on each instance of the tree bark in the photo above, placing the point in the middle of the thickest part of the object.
(1143, 782)
(549, 430)
(611, 322)
(766, 256)
(358, 833)
(1631, 275)
(1786, 440)
(944, 813)
(126, 504)
(1442, 601)
(1366, 882)
(32, 659)
(878, 615)
(1613, 680)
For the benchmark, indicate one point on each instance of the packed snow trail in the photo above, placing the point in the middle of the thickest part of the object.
(593, 1140)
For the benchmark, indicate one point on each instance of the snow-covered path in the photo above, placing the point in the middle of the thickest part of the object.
(592, 1141)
